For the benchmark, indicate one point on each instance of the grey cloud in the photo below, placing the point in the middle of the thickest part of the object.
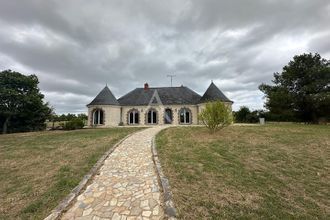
(321, 43)
(77, 47)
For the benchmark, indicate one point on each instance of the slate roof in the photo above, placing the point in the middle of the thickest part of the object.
(105, 97)
(213, 93)
(167, 95)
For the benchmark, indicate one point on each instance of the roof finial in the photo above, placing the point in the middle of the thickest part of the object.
(106, 84)
(211, 80)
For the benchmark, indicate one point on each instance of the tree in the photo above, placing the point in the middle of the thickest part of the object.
(82, 116)
(301, 90)
(52, 117)
(242, 114)
(216, 115)
(21, 106)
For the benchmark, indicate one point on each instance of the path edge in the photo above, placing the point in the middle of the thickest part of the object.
(169, 207)
(75, 192)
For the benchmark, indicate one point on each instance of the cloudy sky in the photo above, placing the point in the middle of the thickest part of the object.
(75, 47)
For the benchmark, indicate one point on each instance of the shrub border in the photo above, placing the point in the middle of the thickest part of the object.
(69, 199)
(169, 207)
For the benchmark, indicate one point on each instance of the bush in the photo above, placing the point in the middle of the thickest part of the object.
(244, 115)
(216, 115)
(74, 124)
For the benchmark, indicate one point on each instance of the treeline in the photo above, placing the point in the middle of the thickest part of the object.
(245, 115)
(67, 122)
(67, 117)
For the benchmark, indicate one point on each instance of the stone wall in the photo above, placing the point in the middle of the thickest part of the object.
(201, 106)
(111, 115)
(160, 113)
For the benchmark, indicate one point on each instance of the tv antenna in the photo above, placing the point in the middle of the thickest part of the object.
(169, 75)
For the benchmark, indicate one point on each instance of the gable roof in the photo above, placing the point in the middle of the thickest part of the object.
(105, 97)
(167, 95)
(213, 93)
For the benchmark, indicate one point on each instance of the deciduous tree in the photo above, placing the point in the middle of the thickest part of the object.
(301, 90)
(21, 103)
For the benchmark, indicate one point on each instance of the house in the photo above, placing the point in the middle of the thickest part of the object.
(151, 106)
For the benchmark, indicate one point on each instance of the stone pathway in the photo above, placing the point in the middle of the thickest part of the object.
(127, 186)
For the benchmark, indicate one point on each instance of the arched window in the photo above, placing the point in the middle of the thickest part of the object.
(98, 117)
(152, 116)
(185, 116)
(133, 117)
(168, 116)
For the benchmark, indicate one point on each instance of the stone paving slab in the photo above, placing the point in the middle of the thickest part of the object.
(127, 185)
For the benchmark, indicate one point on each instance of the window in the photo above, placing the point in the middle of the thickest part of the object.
(98, 117)
(185, 116)
(133, 117)
(168, 116)
(152, 116)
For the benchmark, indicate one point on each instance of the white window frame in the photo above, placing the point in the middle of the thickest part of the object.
(98, 119)
(185, 111)
(129, 117)
(151, 111)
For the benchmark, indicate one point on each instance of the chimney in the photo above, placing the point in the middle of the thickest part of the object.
(146, 86)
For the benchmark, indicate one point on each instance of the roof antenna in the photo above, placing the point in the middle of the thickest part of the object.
(169, 75)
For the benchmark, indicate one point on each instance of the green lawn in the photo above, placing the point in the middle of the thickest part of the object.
(39, 169)
(279, 171)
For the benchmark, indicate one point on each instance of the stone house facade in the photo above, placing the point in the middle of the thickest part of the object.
(151, 106)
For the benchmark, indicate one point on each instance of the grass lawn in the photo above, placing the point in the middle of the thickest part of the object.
(279, 171)
(39, 169)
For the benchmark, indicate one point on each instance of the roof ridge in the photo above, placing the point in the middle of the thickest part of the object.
(130, 92)
(159, 87)
(168, 96)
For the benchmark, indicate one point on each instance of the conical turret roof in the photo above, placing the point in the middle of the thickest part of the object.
(213, 93)
(105, 97)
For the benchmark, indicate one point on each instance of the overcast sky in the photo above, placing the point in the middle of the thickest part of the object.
(76, 47)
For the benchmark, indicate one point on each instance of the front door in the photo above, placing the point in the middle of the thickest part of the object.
(168, 117)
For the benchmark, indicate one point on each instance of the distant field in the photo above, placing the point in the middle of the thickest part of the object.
(58, 123)
(39, 169)
(279, 171)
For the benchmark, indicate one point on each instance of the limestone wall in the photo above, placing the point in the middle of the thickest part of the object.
(160, 113)
(111, 115)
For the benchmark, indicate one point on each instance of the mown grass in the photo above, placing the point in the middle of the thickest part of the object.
(248, 172)
(39, 169)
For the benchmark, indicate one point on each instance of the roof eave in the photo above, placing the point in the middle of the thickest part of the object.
(212, 100)
(90, 104)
